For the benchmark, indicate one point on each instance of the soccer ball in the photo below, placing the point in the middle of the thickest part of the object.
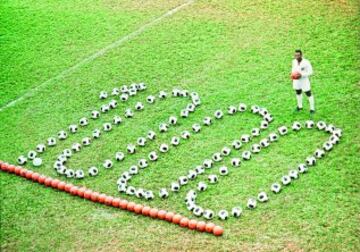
(79, 174)
(141, 86)
(130, 190)
(122, 188)
(184, 93)
(139, 106)
(337, 132)
(293, 174)
(218, 114)
(124, 97)
(184, 113)
(223, 170)
(22, 160)
(185, 134)
(235, 162)
(251, 203)
(208, 163)
(190, 107)
(192, 174)
(296, 126)
(164, 148)
(302, 168)
(104, 108)
(62, 135)
(83, 121)
(163, 127)
(208, 214)
(126, 176)
(245, 138)
(321, 125)
(107, 127)
(327, 146)
(131, 149)
(268, 118)
(51, 141)
(70, 173)
(246, 155)
(139, 193)
(172, 120)
(330, 128)
(113, 104)
(236, 144)
(95, 114)
(67, 153)
(226, 151)
(132, 91)
(162, 94)
(143, 163)
(175, 186)
(124, 89)
(153, 156)
(93, 171)
(163, 193)
(223, 214)
(264, 125)
(175, 141)
(309, 124)
(133, 170)
(108, 164)
(201, 186)
(334, 139)
(263, 112)
(217, 157)
(129, 113)
(319, 153)
(176, 92)
(196, 127)
(37, 162)
(103, 95)
(231, 110)
(151, 135)
(255, 148)
(40, 148)
(150, 99)
(86, 141)
(119, 156)
(198, 211)
(115, 91)
(141, 141)
(264, 143)
(236, 212)
(199, 169)
(283, 130)
(207, 121)
(242, 107)
(255, 132)
(310, 161)
(62, 159)
(262, 197)
(183, 180)
(273, 137)
(285, 180)
(117, 120)
(96, 133)
(255, 109)
(275, 188)
(76, 147)
(213, 179)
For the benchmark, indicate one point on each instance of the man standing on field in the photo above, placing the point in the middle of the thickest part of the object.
(300, 72)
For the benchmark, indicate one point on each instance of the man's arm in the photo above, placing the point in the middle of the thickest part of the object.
(307, 71)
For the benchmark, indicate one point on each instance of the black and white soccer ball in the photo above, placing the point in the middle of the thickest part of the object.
(309, 124)
(232, 110)
(150, 99)
(119, 156)
(198, 211)
(196, 127)
(202, 186)
(184, 113)
(40, 148)
(264, 143)
(223, 170)
(225, 151)
(255, 132)
(107, 127)
(96, 133)
(175, 186)
(319, 153)
(103, 95)
(255, 148)
(242, 107)
(246, 155)
(285, 180)
(113, 104)
(172, 120)
(124, 89)
(141, 141)
(192, 174)
(263, 112)
(139, 106)
(185, 134)
(130, 190)
(162, 94)
(79, 174)
(140, 192)
(330, 128)
(153, 156)
(217, 157)
(255, 109)
(115, 91)
(175, 141)
(86, 141)
(283, 130)
(208, 163)
(273, 137)
(213, 179)
(142, 163)
(51, 141)
(293, 174)
(199, 169)
(164, 148)
(108, 164)
(251, 203)
(163, 127)
(321, 125)
(302, 168)
(208, 214)
(67, 153)
(296, 126)
(62, 135)
(223, 215)
(124, 97)
(22, 160)
(117, 120)
(69, 173)
(311, 161)
(264, 124)
(218, 114)
(262, 197)
(236, 212)
(131, 148)
(207, 121)
(163, 193)
(132, 91)
(236, 162)
(129, 113)
(83, 121)
(275, 188)
(95, 114)
(104, 108)
(183, 180)
(245, 138)
(133, 170)
(151, 135)
(269, 118)
(328, 146)
(236, 144)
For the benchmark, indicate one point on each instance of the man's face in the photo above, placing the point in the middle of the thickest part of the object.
(298, 56)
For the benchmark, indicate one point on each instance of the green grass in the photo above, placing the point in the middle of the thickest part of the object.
(227, 51)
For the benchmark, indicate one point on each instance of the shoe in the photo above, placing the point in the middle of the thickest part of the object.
(298, 109)
(312, 111)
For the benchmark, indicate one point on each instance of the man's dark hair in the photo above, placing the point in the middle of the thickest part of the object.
(298, 51)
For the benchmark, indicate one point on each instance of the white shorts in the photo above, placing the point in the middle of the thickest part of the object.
(303, 85)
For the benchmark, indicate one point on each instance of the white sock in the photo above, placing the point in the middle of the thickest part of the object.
(299, 100)
(312, 103)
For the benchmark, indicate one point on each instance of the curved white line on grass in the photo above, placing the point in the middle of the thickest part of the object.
(97, 54)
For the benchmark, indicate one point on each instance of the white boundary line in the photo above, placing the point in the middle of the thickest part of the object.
(97, 54)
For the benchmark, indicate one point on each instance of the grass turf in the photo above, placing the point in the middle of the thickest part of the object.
(228, 51)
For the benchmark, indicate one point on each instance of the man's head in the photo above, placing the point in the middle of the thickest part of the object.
(298, 55)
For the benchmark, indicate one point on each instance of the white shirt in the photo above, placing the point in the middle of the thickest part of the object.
(305, 69)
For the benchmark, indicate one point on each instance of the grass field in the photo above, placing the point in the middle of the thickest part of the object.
(229, 52)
